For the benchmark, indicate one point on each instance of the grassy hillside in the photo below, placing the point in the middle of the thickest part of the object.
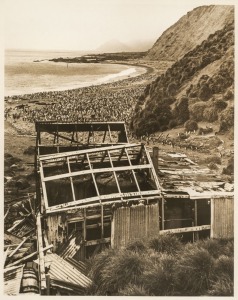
(198, 87)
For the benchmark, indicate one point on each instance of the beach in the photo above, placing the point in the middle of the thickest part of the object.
(33, 72)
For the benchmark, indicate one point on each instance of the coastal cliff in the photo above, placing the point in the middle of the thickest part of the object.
(190, 31)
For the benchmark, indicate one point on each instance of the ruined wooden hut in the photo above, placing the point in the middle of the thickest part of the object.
(95, 190)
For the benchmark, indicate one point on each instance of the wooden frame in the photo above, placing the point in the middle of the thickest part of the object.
(115, 155)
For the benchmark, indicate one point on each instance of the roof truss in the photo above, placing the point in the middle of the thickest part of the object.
(97, 176)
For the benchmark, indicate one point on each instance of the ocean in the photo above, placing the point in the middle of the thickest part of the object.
(24, 76)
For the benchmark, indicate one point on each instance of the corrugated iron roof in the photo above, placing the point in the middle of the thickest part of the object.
(81, 266)
(70, 248)
(12, 280)
(179, 173)
(62, 270)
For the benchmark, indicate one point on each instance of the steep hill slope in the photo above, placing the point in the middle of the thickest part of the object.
(190, 31)
(198, 87)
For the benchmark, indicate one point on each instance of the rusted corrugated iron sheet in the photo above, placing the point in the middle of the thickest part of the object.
(222, 217)
(71, 247)
(63, 271)
(12, 280)
(135, 222)
(23, 227)
(81, 266)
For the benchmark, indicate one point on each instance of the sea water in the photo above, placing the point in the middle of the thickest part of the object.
(31, 71)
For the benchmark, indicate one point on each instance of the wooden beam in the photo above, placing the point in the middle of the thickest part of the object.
(153, 170)
(40, 253)
(78, 152)
(71, 180)
(115, 175)
(90, 205)
(104, 136)
(28, 257)
(96, 242)
(94, 179)
(94, 171)
(43, 186)
(47, 284)
(18, 247)
(162, 213)
(102, 223)
(103, 197)
(133, 172)
(109, 130)
(185, 229)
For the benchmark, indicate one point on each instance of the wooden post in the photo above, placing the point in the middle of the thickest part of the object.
(102, 223)
(196, 218)
(41, 254)
(155, 158)
(162, 213)
(47, 284)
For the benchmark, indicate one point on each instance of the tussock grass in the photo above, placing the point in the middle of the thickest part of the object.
(193, 271)
(158, 277)
(137, 246)
(164, 266)
(168, 243)
(133, 290)
(223, 286)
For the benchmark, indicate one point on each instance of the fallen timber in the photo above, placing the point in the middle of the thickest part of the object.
(94, 189)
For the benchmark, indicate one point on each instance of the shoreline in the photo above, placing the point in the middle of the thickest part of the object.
(122, 92)
(108, 79)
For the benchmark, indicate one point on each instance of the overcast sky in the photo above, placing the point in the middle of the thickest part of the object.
(87, 24)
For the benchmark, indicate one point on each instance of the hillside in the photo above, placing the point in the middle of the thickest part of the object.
(190, 31)
(198, 87)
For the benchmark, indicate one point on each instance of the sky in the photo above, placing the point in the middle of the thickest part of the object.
(88, 24)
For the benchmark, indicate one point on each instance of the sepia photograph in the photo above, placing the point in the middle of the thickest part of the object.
(118, 148)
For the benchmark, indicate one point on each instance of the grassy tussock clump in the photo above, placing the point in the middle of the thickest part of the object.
(137, 246)
(193, 272)
(165, 243)
(164, 266)
(133, 290)
(159, 275)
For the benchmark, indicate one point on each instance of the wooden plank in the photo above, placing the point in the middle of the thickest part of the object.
(47, 284)
(162, 213)
(53, 211)
(109, 130)
(28, 256)
(18, 247)
(71, 180)
(78, 152)
(176, 196)
(94, 171)
(115, 175)
(96, 242)
(104, 197)
(153, 170)
(94, 179)
(40, 253)
(43, 186)
(133, 172)
(185, 229)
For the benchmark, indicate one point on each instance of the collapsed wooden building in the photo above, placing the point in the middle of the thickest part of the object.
(94, 189)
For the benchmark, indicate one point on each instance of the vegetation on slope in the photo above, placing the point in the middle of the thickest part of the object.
(198, 87)
(164, 266)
